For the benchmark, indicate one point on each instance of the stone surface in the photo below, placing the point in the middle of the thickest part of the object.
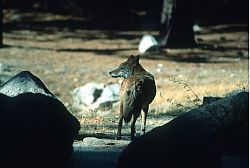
(97, 153)
(93, 96)
(24, 82)
(36, 128)
(198, 138)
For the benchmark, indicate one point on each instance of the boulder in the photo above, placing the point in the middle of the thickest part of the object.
(93, 96)
(37, 130)
(199, 138)
(87, 94)
(24, 82)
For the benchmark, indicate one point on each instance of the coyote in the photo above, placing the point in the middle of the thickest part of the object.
(137, 92)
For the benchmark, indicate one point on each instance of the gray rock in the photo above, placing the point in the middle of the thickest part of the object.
(24, 82)
(92, 141)
(109, 95)
(36, 128)
(87, 94)
(93, 95)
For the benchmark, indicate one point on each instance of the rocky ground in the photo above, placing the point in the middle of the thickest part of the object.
(97, 153)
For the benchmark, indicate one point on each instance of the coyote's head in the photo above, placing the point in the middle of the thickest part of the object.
(127, 68)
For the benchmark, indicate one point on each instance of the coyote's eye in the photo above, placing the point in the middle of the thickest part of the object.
(122, 67)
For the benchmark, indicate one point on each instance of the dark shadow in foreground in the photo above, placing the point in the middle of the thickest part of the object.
(211, 136)
(36, 128)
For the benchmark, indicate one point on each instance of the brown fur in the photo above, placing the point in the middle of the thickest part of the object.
(137, 92)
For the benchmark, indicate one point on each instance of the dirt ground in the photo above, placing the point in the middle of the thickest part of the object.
(66, 57)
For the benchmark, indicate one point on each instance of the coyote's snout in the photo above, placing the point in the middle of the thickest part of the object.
(137, 92)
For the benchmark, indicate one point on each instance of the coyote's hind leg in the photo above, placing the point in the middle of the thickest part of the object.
(144, 114)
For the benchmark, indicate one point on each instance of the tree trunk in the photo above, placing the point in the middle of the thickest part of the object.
(1, 23)
(177, 21)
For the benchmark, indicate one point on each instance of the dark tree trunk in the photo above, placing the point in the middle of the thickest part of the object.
(1, 23)
(177, 21)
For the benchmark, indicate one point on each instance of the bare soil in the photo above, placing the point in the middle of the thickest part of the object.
(66, 57)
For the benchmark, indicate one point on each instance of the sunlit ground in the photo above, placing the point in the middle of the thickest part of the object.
(65, 58)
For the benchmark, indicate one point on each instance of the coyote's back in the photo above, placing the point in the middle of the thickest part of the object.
(137, 92)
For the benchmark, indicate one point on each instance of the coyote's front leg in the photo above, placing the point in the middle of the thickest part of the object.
(118, 135)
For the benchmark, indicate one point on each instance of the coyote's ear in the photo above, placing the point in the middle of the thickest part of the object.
(134, 59)
(131, 57)
(137, 58)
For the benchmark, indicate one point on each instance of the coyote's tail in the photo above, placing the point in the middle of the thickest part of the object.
(129, 104)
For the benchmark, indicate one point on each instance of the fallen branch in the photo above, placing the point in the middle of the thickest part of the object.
(187, 87)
